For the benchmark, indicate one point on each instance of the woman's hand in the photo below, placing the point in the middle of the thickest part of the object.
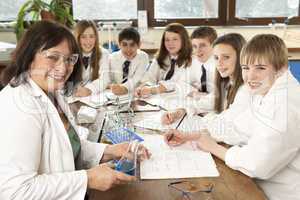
(116, 151)
(171, 117)
(82, 92)
(118, 89)
(102, 177)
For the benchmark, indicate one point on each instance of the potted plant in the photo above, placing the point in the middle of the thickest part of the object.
(34, 10)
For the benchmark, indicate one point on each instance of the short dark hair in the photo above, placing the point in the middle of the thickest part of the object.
(41, 36)
(130, 33)
(205, 32)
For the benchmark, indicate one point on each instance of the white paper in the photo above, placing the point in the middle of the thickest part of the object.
(154, 122)
(100, 99)
(185, 161)
(192, 123)
(188, 124)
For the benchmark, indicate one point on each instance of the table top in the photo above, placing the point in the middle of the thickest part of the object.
(231, 184)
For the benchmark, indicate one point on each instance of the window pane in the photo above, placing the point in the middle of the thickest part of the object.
(10, 9)
(266, 8)
(174, 9)
(105, 9)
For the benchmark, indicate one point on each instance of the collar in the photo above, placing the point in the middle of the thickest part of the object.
(173, 57)
(36, 91)
(210, 62)
(87, 54)
(123, 58)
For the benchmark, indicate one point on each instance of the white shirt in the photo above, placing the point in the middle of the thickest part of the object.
(196, 73)
(269, 145)
(101, 83)
(206, 102)
(156, 75)
(137, 68)
(36, 158)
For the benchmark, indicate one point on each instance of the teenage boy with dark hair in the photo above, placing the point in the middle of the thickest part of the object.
(128, 65)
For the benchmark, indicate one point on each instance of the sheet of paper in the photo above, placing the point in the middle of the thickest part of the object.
(154, 122)
(94, 101)
(185, 161)
(192, 123)
(188, 124)
(100, 99)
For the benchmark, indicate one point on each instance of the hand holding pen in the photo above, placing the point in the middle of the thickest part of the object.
(174, 137)
(170, 117)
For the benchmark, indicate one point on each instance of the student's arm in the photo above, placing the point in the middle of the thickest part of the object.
(103, 80)
(273, 145)
(152, 76)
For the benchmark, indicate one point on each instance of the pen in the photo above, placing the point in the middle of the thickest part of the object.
(181, 121)
(176, 182)
(138, 111)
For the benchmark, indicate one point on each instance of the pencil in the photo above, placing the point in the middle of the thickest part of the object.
(181, 121)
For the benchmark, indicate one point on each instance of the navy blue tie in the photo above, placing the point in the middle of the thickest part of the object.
(85, 61)
(171, 71)
(125, 70)
(203, 79)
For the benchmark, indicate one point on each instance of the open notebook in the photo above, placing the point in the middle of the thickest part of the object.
(184, 161)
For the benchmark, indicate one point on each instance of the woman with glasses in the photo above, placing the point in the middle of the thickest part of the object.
(40, 147)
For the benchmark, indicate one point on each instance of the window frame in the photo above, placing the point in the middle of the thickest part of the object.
(152, 22)
(226, 17)
(233, 20)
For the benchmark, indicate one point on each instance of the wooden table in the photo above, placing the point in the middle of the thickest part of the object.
(230, 185)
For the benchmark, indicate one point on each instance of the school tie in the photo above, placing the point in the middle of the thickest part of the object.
(125, 70)
(203, 79)
(171, 71)
(85, 61)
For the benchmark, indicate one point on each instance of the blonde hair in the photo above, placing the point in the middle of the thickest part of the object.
(265, 47)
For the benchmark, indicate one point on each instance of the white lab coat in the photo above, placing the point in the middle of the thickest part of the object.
(36, 159)
(269, 145)
(101, 83)
(137, 68)
(221, 125)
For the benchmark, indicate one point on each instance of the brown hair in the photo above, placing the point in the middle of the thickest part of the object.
(184, 54)
(80, 27)
(205, 32)
(236, 41)
(41, 36)
(265, 47)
